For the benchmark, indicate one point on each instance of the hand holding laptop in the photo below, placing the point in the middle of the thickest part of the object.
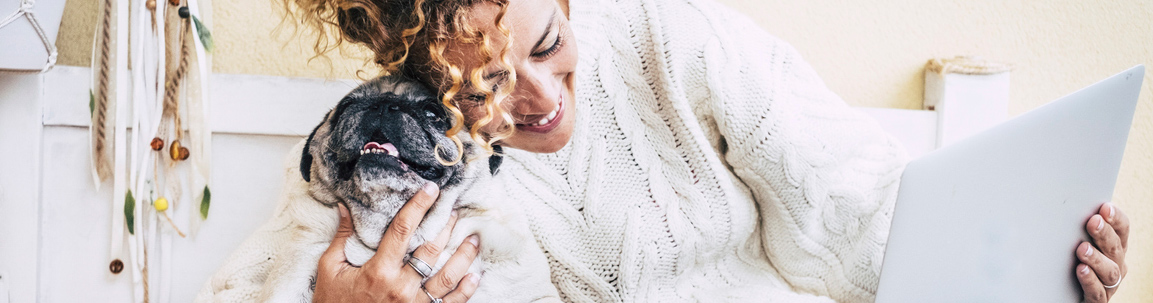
(991, 218)
(1103, 262)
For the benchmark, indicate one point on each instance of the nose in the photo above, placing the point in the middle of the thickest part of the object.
(535, 94)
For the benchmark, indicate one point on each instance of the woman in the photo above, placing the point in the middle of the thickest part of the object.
(682, 154)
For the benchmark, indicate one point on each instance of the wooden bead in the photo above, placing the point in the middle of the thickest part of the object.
(183, 153)
(150, 4)
(116, 266)
(160, 204)
(157, 143)
(174, 150)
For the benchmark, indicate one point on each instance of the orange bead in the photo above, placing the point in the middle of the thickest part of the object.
(157, 143)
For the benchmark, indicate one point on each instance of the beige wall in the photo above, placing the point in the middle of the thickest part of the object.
(870, 52)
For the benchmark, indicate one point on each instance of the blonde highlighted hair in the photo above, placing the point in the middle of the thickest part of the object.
(409, 37)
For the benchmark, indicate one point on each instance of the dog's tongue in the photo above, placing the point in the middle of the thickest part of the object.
(388, 147)
(391, 149)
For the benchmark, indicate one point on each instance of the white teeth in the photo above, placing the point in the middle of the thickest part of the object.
(374, 151)
(552, 115)
(543, 121)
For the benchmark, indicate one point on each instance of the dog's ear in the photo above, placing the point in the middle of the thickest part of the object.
(306, 156)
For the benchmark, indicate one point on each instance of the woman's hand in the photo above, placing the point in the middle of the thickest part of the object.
(386, 277)
(1103, 261)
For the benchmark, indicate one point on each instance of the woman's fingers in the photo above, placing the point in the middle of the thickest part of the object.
(1105, 238)
(465, 290)
(394, 244)
(1108, 272)
(333, 258)
(445, 280)
(430, 251)
(1118, 221)
(1091, 285)
(334, 275)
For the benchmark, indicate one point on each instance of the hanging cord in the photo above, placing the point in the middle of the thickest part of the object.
(172, 87)
(101, 134)
(26, 11)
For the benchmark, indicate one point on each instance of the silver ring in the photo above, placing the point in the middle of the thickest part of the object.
(420, 266)
(430, 297)
(1114, 284)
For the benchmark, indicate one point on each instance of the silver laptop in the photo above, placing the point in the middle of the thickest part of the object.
(997, 217)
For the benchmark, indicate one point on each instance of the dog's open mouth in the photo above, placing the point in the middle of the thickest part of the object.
(387, 149)
(377, 152)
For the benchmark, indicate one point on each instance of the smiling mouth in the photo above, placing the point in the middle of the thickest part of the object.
(547, 122)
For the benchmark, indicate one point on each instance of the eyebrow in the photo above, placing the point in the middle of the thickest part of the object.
(547, 28)
(500, 73)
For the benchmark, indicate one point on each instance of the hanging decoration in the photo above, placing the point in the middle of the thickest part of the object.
(162, 101)
(26, 10)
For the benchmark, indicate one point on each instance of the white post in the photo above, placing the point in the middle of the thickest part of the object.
(969, 96)
(20, 137)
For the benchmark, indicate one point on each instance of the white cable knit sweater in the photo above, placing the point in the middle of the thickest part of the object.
(709, 163)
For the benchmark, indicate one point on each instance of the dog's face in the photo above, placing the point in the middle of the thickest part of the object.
(377, 148)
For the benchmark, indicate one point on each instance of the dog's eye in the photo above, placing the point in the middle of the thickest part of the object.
(429, 114)
(394, 107)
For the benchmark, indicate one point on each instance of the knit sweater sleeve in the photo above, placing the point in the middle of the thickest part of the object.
(824, 176)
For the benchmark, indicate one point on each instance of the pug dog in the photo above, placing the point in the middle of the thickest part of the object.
(373, 152)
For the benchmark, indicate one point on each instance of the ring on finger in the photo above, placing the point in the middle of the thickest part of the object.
(420, 266)
(1114, 284)
(430, 297)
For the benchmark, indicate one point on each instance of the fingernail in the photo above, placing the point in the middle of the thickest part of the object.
(1100, 224)
(474, 278)
(1088, 250)
(1084, 269)
(453, 215)
(1111, 211)
(430, 188)
(343, 210)
(473, 239)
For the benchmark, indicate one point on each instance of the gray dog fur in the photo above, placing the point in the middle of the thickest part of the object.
(375, 186)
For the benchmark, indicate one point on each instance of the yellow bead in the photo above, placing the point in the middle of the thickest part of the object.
(160, 204)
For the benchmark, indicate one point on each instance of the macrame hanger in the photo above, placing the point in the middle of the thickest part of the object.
(26, 11)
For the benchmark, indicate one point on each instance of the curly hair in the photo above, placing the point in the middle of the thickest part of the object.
(409, 37)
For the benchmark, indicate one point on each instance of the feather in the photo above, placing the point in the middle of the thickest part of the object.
(204, 203)
(129, 217)
(205, 35)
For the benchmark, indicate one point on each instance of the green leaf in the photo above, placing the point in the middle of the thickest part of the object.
(129, 214)
(204, 202)
(205, 35)
(91, 103)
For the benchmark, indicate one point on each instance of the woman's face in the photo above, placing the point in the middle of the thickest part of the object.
(544, 56)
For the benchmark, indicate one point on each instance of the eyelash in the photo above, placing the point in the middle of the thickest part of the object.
(553, 49)
(479, 98)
